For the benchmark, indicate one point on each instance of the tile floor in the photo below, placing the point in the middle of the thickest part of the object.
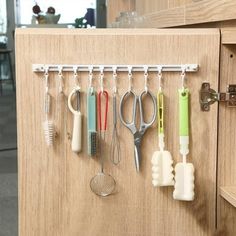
(8, 164)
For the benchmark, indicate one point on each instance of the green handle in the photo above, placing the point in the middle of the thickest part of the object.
(91, 110)
(160, 104)
(183, 112)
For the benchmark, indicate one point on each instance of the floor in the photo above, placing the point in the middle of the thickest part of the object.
(8, 163)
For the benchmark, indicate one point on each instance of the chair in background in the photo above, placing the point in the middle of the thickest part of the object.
(5, 56)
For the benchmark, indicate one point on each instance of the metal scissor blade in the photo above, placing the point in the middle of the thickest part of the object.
(137, 155)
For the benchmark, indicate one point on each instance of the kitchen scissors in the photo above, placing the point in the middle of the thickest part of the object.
(137, 133)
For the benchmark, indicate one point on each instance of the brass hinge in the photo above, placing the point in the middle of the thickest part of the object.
(208, 96)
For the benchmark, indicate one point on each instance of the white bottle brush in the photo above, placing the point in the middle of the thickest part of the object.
(48, 126)
(161, 160)
(184, 172)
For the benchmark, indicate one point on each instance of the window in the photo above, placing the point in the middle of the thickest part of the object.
(69, 9)
(3, 17)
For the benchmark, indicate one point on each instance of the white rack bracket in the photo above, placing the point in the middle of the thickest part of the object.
(119, 68)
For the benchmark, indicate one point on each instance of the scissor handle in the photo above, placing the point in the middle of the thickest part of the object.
(100, 94)
(122, 102)
(144, 125)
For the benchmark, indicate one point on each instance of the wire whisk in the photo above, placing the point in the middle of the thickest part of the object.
(115, 152)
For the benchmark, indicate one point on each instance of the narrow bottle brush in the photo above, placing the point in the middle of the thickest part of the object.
(48, 126)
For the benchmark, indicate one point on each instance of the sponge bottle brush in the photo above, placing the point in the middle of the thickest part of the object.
(161, 160)
(184, 172)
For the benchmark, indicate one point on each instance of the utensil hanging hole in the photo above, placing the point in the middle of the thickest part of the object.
(127, 106)
(147, 107)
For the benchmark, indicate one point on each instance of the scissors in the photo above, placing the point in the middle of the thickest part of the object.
(137, 133)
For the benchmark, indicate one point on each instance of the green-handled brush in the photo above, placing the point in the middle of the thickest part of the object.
(91, 121)
(184, 172)
(161, 160)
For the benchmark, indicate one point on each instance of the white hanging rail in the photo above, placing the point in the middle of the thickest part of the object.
(119, 68)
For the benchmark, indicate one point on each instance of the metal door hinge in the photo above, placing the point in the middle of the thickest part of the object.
(209, 96)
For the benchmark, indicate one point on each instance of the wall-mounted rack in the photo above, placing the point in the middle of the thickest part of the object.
(118, 68)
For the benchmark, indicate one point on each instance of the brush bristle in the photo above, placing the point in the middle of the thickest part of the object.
(184, 182)
(92, 143)
(49, 132)
(162, 170)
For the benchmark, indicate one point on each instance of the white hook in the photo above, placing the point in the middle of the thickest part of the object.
(60, 68)
(90, 76)
(145, 78)
(75, 68)
(130, 78)
(101, 77)
(46, 75)
(183, 76)
(115, 79)
(159, 76)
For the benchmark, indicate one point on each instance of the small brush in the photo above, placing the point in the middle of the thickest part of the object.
(92, 123)
(48, 125)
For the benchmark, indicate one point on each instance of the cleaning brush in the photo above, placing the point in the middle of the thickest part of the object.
(161, 160)
(48, 126)
(184, 172)
(92, 123)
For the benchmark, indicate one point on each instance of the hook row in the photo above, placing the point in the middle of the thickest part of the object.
(109, 68)
(114, 76)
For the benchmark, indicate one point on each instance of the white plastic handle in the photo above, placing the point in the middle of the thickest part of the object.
(76, 144)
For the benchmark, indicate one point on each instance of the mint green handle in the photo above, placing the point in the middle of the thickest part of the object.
(160, 105)
(183, 112)
(91, 110)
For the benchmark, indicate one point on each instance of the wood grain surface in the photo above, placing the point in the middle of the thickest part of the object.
(227, 140)
(175, 13)
(229, 194)
(54, 193)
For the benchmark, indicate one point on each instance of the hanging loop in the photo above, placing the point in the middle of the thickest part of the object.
(130, 78)
(115, 79)
(159, 76)
(145, 78)
(46, 75)
(183, 77)
(90, 76)
(75, 68)
(101, 78)
(60, 68)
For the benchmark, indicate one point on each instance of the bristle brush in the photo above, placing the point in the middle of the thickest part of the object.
(92, 123)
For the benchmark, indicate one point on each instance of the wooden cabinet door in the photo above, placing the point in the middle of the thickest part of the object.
(54, 192)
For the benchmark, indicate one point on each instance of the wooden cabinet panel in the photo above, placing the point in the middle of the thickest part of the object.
(227, 138)
(160, 14)
(145, 7)
(54, 192)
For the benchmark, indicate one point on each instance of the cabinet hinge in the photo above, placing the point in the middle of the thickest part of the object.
(209, 96)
